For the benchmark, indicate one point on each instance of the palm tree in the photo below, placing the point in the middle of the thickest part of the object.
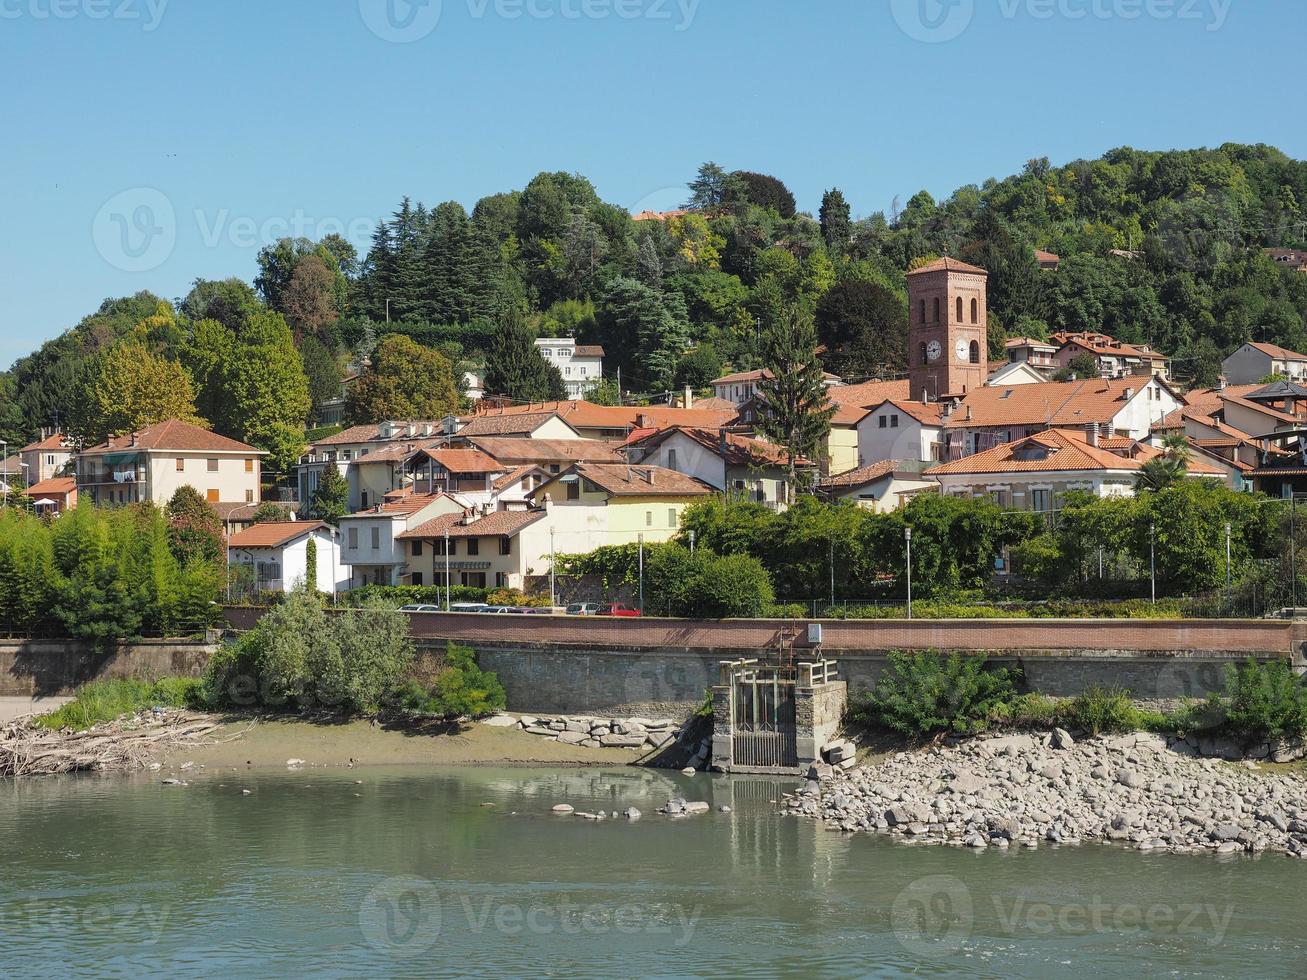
(1169, 468)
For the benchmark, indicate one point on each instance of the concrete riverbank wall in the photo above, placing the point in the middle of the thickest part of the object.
(663, 666)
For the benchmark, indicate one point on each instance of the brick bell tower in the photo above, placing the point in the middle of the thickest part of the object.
(948, 333)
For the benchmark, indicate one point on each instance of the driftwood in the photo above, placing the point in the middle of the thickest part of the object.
(128, 743)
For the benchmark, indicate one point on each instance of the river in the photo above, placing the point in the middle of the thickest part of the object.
(408, 873)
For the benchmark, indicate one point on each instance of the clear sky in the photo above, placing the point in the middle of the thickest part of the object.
(150, 142)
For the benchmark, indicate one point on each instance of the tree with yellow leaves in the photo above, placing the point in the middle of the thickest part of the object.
(127, 388)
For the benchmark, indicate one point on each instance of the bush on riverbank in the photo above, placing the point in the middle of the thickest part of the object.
(299, 656)
(404, 595)
(926, 693)
(459, 689)
(1266, 701)
(102, 701)
(1051, 609)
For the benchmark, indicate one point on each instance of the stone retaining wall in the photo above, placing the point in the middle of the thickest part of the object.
(52, 668)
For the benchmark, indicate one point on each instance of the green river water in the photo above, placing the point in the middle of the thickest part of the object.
(409, 874)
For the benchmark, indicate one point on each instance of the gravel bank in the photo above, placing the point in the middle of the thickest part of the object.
(1024, 790)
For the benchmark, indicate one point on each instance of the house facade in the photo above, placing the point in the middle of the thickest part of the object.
(49, 457)
(494, 550)
(581, 365)
(727, 461)
(1114, 358)
(151, 464)
(276, 556)
(370, 544)
(1253, 362)
(883, 487)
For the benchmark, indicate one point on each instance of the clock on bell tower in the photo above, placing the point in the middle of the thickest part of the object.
(947, 329)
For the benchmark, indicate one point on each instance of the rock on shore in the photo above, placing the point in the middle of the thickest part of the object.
(1021, 790)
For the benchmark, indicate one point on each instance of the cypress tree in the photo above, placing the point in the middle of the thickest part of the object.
(795, 408)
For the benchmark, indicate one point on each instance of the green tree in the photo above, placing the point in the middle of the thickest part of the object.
(405, 381)
(698, 368)
(270, 512)
(1169, 468)
(310, 299)
(331, 499)
(836, 221)
(515, 367)
(794, 406)
(310, 564)
(322, 371)
(194, 528)
(864, 328)
(267, 393)
(206, 356)
(129, 388)
(709, 189)
(230, 302)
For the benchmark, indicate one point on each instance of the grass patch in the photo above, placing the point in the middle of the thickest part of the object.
(102, 701)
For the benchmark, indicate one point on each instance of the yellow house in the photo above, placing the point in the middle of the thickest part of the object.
(591, 505)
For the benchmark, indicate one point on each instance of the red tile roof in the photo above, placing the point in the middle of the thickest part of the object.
(173, 435)
(860, 477)
(852, 402)
(1101, 345)
(273, 534)
(948, 264)
(498, 524)
(1279, 353)
(464, 460)
(521, 451)
(741, 450)
(640, 480)
(586, 415)
(760, 374)
(372, 433)
(399, 503)
(1065, 452)
(56, 485)
(1054, 403)
(587, 350)
(508, 479)
(499, 423)
(56, 442)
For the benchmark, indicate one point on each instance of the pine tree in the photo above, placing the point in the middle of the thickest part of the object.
(515, 367)
(648, 264)
(311, 565)
(794, 406)
(331, 499)
(836, 221)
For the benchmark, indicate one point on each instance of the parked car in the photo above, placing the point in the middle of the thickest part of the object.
(469, 607)
(419, 607)
(584, 608)
(617, 609)
(498, 610)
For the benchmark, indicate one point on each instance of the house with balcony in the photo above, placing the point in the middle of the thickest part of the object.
(581, 365)
(275, 556)
(151, 464)
(479, 548)
(1115, 359)
(370, 545)
(370, 457)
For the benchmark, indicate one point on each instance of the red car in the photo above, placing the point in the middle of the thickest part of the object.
(617, 609)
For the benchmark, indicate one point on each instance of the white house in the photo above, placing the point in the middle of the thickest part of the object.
(727, 461)
(369, 544)
(1016, 373)
(1037, 471)
(743, 385)
(277, 555)
(882, 487)
(1253, 362)
(581, 365)
(991, 416)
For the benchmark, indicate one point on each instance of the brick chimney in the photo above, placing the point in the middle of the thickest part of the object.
(1091, 434)
(689, 397)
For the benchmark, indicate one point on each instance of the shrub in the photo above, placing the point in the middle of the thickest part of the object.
(515, 597)
(102, 701)
(301, 656)
(921, 694)
(1026, 710)
(1101, 710)
(404, 595)
(461, 689)
(1266, 700)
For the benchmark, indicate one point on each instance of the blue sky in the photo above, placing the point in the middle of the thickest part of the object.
(151, 142)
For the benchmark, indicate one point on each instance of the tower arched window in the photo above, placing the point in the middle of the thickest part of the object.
(936, 310)
(975, 311)
(959, 305)
(923, 312)
(923, 351)
(975, 352)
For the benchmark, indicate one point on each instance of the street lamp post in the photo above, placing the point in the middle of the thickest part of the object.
(553, 590)
(832, 573)
(692, 542)
(1152, 561)
(1229, 580)
(642, 574)
(447, 583)
(907, 537)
